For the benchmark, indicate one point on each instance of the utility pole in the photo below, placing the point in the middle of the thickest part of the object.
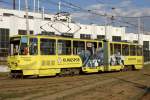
(38, 5)
(43, 11)
(59, 9)
(19, 5)
(113, 16)
(34, 6)
(14, 4)
(59, 6)
(27, 20)
(139, 29)
(105, 26)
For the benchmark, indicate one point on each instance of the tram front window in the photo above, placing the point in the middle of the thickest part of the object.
(14, 46)
(19, 46)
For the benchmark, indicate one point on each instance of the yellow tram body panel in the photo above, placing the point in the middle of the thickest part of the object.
(130, 60)
(93, 69)
(43, 65)
(115, 68)
(102, 68)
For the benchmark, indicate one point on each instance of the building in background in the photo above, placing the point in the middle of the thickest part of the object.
(13, 22)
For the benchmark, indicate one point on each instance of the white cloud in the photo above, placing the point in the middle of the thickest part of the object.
(124, 8)
(81, 15)
(125, 3)
(96, 6)
(133, 12)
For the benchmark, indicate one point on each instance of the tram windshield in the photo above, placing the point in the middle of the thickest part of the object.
(18, 45)
(14, 46)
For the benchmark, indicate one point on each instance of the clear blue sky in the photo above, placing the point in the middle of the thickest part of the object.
(133, 8)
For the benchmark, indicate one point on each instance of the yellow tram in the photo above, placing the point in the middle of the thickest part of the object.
(53, 55)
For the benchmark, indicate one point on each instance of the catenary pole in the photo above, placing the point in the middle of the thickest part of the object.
(27, 20)
(34, 5)
(19, 5)
(139, 29)
(38, 5)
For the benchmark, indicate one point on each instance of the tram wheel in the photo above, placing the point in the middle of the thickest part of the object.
(16, 75)
(69, 71)
(125, 69)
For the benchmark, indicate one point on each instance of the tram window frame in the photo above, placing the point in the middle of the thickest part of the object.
(90, 48)
(111, 48)
(49, 48)
(78, 47)
(33, 46)
(24, 45)
(125, 51)
(116, 50)
(61, 47)
(139, 50)
(100, 45)
(132, 50)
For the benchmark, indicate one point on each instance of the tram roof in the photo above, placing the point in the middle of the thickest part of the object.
(58, 37)
(77, 39)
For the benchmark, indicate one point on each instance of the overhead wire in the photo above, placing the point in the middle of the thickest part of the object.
(75, 7)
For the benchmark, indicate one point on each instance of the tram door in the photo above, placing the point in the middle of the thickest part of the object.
(91, 47)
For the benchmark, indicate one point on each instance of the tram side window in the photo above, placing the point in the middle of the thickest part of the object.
(125, 50)
(24, 46)
(78, 47)
(117, 49)
(33, 46)
(47, 46)
(64, 47)
(111, 49)
(132, 50)
(100, 45)
(139, 50)
(91, 46)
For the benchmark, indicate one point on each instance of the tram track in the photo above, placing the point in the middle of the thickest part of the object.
(52, 87)
(55, 83)
(129, 81)
(86, 87)
(77, 90)
(56, 80)
(89, 84)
